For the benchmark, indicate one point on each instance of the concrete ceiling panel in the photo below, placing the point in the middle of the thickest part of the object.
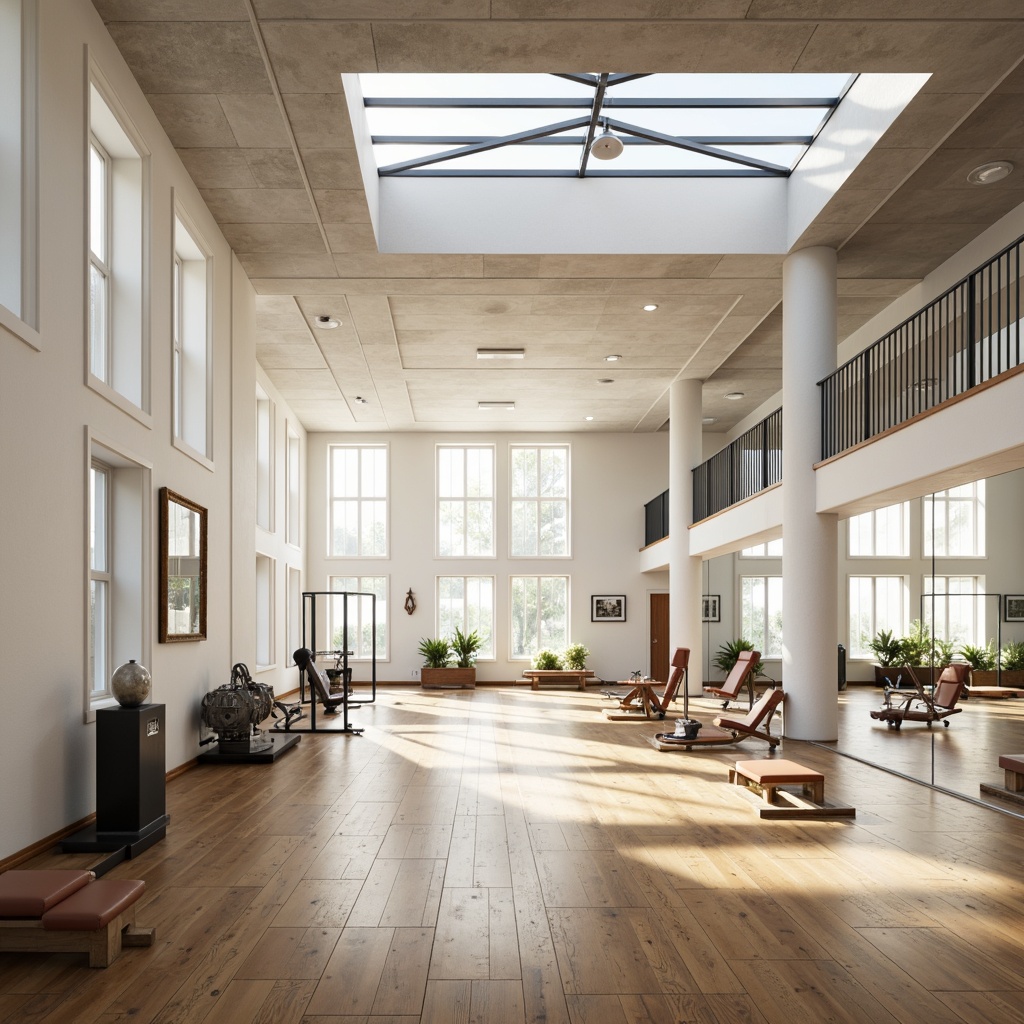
(537, 46)
(310, 56)
(256, 121)
(172, 10)
(257, 265)
(192, 57)
(259, 205)
(192, 120)
(275, 238)
(319, 120)
(290, 357)
(218, 168)
(342, 206)
(366, 10)
(274, 168)
(349, 238)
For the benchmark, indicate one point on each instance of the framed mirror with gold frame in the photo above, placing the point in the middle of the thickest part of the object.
(182, 597)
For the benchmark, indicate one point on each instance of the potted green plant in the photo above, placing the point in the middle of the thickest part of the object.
(888, 651)
(547, 660)
(437, 671)
(465, 647)
(575, 656)
(1011, 661)
(727, 654)
(982, 661)
(917, 645)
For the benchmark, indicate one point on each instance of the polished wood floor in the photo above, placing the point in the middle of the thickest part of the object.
(499, 856)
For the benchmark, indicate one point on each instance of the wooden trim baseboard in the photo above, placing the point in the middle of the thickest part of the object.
(44, 844)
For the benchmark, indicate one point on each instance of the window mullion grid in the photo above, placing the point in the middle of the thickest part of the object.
(102, 266)
(177, 357)
(100, 582)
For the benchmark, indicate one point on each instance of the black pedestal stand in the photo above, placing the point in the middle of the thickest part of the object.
(131, 806)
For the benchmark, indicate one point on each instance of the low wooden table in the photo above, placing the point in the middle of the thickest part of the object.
(536, 676)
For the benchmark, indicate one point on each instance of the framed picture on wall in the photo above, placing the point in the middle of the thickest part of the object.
(711, 608)
(608, 608)
(1013, 608)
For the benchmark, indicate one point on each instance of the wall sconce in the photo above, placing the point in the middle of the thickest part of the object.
(410, 602)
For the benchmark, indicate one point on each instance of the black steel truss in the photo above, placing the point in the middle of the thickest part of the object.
(600, 108)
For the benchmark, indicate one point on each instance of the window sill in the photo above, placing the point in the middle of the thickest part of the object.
(126, 405)
(95, 704)
(192, 453)
(13, 324)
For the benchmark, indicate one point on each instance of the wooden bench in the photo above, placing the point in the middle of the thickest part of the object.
(768, 775)
(579, 676)
(1013, 774)
(1013, 770)
(69, 911)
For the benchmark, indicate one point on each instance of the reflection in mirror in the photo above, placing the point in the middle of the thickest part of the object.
(182, 598)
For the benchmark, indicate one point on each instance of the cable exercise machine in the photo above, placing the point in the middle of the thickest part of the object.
(319, 682)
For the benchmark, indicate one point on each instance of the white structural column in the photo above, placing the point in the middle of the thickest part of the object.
(685, 451)
(809, 561)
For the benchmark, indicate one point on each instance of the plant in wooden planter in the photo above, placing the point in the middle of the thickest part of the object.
(983, 662)
(1010, 661)
(888, 652)
(465, 647)
(437, 669)
(575, 656)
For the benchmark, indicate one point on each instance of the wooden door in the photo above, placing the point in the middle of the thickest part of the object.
(659, 637)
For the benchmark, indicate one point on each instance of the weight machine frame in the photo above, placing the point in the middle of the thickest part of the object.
(309, 621)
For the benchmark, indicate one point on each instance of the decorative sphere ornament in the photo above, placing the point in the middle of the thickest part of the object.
(131, 684)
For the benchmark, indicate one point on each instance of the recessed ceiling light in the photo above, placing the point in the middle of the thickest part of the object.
(484, 406)
(990, 173)
(605, 380)
(501, 353)
(612, 358)
(650, 307)
(326, 323)
(359, 400)
(708, 420)
(588, 418)
(734, 396)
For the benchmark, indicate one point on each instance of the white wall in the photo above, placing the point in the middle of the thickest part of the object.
(613, 475)
(45, 412)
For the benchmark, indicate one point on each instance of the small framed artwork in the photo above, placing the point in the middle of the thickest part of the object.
(711, 608)
(1013, 608)
(608, 608)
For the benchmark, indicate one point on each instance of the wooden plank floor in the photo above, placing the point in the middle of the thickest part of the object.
(492, 856)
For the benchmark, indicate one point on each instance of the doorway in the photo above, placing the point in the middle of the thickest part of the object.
(659, 653)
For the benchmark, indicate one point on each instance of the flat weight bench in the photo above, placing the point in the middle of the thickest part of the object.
(768, 776)
(1013, 769)
(68, 911)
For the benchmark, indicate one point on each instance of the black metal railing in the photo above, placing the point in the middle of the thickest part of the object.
(963, 338)
(656, 519)
(750, 464)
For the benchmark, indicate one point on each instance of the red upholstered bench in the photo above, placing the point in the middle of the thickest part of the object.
(70, 912)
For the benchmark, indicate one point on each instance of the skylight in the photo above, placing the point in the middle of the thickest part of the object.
(670, 125)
